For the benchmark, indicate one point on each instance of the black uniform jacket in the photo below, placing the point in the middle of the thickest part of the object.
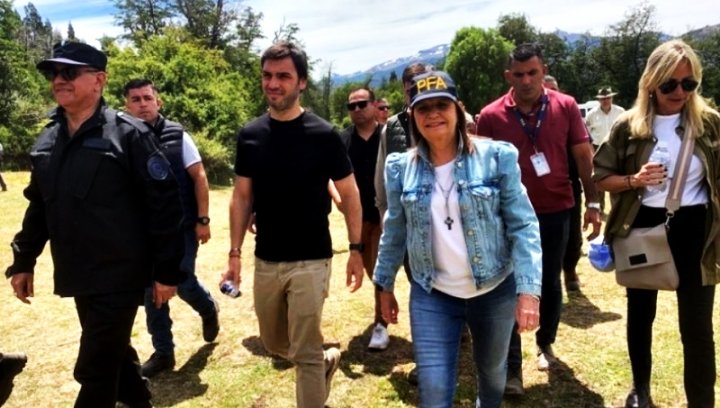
(107, 201)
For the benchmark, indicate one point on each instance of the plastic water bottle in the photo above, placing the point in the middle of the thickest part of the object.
(228, 288)
(660, 155)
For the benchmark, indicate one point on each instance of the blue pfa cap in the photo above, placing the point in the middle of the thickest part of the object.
(433, 84)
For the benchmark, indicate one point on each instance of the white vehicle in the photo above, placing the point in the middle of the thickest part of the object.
(587, 107)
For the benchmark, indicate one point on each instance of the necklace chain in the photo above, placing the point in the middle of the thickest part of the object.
(446, 195)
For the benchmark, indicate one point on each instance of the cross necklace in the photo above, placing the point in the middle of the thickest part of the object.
(446, 195)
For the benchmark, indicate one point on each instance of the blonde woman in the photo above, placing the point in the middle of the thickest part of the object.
(667, 103)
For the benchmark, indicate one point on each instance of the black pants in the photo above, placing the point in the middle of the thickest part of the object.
(573, 250)
(553, 239)
(107, 367)
(695, 308)
(2, 181)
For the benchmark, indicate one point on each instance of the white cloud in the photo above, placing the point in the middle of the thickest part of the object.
(355, 35)
(90, 29)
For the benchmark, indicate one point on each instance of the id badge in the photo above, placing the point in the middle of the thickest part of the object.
(540, 164)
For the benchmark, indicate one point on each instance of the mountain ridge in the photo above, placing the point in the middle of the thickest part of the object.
(433, 55)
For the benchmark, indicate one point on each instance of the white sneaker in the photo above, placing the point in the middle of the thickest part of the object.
(380, 338)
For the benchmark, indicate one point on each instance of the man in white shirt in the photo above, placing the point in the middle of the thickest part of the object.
(600, 119)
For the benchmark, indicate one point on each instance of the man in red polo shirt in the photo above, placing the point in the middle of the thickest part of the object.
(543, 125)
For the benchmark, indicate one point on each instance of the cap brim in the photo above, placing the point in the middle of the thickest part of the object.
(610, 95)
(433, 95)
(48, 63)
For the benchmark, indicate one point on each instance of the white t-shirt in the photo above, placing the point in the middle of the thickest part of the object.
(191, 154)
(695, 191)
(453, 274)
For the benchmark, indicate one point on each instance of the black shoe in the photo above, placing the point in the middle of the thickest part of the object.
(638, 399)
(413, 376)
(11, 364)
(211, 325)
(514, 384)
(158, 363)
(145, 404)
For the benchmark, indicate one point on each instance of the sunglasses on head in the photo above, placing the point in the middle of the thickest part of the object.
(68, 73)
(383, 108)
(359, 104)
(687, 84)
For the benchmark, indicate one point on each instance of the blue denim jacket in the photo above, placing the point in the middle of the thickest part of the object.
(501, 230)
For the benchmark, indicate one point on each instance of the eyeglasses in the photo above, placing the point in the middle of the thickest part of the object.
(359, 104)
(383, 108)
(68, 73)
(425, 108)
(688, 85)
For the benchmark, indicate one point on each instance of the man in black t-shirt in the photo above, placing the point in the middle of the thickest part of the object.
(285, 159)
(363, 140)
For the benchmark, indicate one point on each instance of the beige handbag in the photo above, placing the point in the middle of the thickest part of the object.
(643, 259)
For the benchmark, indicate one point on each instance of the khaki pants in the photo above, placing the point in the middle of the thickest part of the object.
(289, 299)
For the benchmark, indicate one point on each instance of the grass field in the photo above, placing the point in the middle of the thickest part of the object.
(236, 372)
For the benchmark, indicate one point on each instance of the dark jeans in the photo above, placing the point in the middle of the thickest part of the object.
(553, 239)
(695, 308)
(107, 367)
(191, 291)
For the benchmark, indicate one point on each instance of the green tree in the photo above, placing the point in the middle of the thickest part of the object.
(71, 33)
(37, 36)
(23, 93)
(248, 29)
(208, 20)
(142, 18)
(622, 53)
(581, 73)
(476, 61)
(708, 48)
(288, 32)
(517, 29)
(10, 55)
(317, 95)
(198, 88)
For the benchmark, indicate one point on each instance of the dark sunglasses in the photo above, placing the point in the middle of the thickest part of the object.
(68, 73)
(359, 104)
(688, 85)
(383, 108)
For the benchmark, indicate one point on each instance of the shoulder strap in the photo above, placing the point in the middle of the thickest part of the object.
(674, 198)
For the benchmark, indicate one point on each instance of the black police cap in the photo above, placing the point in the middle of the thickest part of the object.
(75, 53)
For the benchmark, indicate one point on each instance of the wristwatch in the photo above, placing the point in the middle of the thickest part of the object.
(203, 220)
(593, 205)
(357, 247)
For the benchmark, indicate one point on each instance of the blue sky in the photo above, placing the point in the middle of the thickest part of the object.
(354, 35)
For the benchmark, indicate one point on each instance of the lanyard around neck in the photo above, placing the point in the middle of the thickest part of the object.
(533, 132)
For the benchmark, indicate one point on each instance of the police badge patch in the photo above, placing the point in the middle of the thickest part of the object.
(158, 167)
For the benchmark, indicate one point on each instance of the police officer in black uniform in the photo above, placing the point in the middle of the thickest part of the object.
(105, 197)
